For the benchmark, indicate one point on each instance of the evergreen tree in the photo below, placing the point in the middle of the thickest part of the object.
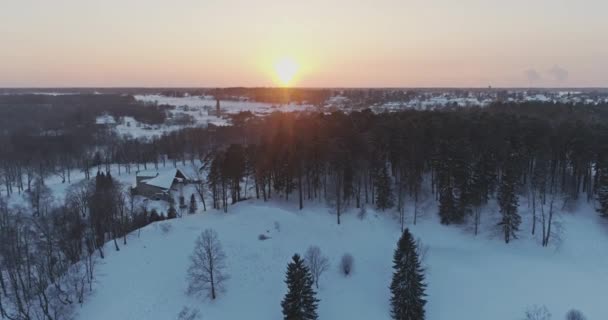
(407, 287)
(508, 202)
(192, 208)
(171, 213)
(447, 205)
(602, 188)
(384, 193)
(299, 302)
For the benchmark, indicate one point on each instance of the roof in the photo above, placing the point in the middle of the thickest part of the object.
(147, 173)
(163, 180)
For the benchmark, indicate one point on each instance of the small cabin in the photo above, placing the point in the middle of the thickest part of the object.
(158, 186)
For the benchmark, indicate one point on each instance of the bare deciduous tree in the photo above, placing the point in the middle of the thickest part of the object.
(316, 262)
(208, 262)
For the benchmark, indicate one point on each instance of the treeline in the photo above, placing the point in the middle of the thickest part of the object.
(260, 94)
(43, 134)
(275, 95)
(466, 157)
(37, 113)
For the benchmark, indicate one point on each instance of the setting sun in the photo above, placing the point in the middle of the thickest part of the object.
(286, 69)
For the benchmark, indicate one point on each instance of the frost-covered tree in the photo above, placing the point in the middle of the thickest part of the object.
(300, 302)
(407, 287)
(316, 262)
(40, 197)
(207, 266)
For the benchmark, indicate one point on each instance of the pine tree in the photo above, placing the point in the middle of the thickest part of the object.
(602, 188)
(447, 205)
(508, 202)
(192, 208)
(384, 194)
(299, 302)
(407, 287)
(171, 213)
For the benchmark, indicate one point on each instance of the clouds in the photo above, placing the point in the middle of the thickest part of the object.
(533, 76)
(558, 73)
(554, 75)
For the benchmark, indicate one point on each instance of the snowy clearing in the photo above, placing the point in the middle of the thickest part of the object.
(468, 277)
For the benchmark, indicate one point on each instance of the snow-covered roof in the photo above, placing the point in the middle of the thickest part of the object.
(147, 173)
(163, 180)
(105, 119)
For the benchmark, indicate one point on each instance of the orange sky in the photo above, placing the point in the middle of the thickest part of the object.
(337, 43)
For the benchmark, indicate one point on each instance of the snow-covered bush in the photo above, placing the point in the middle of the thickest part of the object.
(346, 264)
(188, 314)
(421, 250)
(277, 226)
(362, 212)
(574, 314)
(537, 313)
(165, 227)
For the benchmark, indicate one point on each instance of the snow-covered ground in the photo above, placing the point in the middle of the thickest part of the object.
(468, 277)
(201, 109)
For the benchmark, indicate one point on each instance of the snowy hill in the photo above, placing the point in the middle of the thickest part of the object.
(468, 277)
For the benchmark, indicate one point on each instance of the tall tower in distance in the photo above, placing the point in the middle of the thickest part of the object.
(217, 107)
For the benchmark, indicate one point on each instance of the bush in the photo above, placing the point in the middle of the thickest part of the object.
(537, 313)
(154, 216)
(171, 213)
(165, 227)
(346, 264)
(188, 314)
(575, 315)
(362, 212)
(263, 237)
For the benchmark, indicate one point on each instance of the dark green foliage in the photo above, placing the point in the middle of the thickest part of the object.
(384, 192)
(447, 206)
(182, 201)
(299, 302)
(407, 287)
(508, 200)
(172, 212)
(192, 208)
(602, 189)
(154, 216)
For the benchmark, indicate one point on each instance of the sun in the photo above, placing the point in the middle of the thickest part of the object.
(286, 69)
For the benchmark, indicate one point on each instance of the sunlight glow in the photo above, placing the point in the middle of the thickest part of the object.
(286, 69)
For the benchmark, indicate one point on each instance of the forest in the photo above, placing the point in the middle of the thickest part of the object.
(550, 154)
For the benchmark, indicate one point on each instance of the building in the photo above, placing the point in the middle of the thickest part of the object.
(158, 186)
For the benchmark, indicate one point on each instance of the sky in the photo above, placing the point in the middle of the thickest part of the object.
(335, 43)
